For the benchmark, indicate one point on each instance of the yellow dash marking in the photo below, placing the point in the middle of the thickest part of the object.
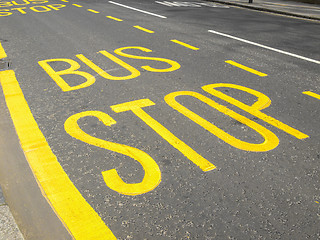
(246, 68)
(116, 19)
(184, 44)
(317, 202)
(2, 52)
(77, 215)
(64, 1)
(77, 5)
(143, 29)
(312, 94)
(94, 11)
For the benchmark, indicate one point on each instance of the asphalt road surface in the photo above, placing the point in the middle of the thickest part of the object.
(161, 120)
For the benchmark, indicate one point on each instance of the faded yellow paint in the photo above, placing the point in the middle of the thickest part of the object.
(116, 19)
(152, 177)
(93, 11)
(136, 108)
(246, 68)
(174, 65)
(270, 140)
(184, 44)
(134, 72)
(77, 215)
(56, 75)
(143, 29)
(255, 109)
(312, 94)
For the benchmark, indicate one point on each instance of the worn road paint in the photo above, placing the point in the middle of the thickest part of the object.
(266, 47)
(152, 177)
(184, 44)
(255, 109)
(116, 19)
(270, 142)
(2, 52)
(312, 94)
(94, 11)
(143, 29)
(136, 108)
(246, 68)
(77, 5)
(138, 10)
(76, 214)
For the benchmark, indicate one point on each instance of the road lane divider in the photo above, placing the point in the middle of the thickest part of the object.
(138, 10)
(77, 5)
(246, 68)
(93, 11)
(143, 29)
(184, 44)
(264, 46)
(312, 94)
(73, 210)
(115, 19)
(64, 1)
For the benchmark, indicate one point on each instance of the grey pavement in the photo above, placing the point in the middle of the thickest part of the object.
(8, 227)
(289, 8)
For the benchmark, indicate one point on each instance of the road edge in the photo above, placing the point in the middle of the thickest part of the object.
(32, 212)
(263, 9)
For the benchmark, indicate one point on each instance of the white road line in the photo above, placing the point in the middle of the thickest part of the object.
(266, 47)
(153, 14)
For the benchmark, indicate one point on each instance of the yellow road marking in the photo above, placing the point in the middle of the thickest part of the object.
(246, 68)
(152, 176)
(270, 142)
(143, 29)
(173, 65)
(64, 1)
(312, 94)
(262, 102)
(77, 215)
(77, 5)
(184, 44)
(94, 11)
(2, 52)
(116, 19)
(136, 108)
